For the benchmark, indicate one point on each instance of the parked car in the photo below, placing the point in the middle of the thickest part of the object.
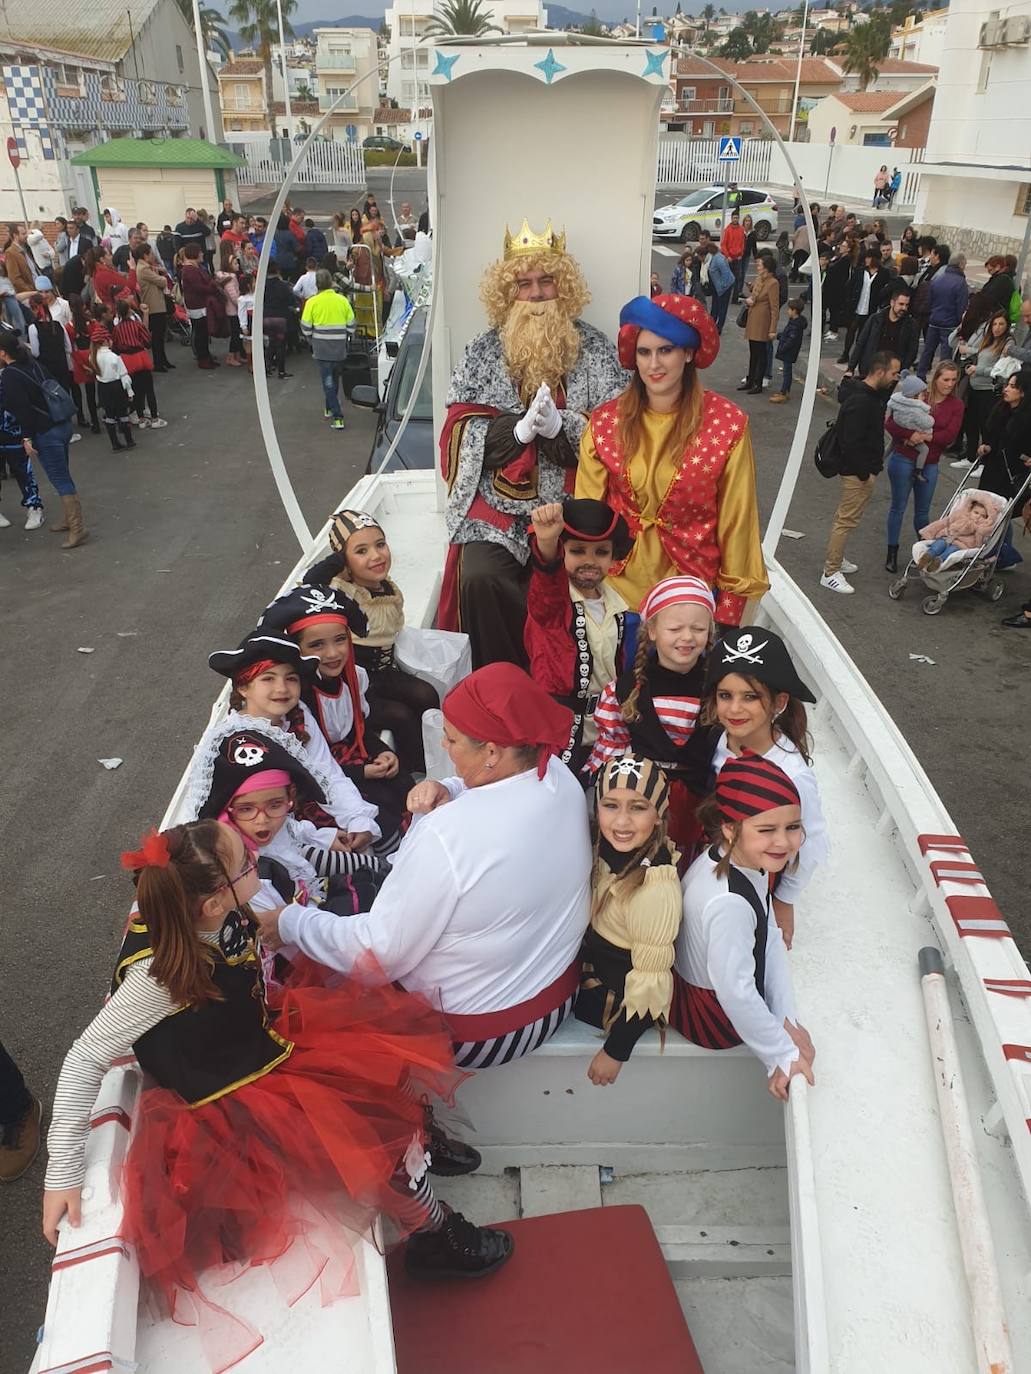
(703, 209)
(416, 449)
(385, 143)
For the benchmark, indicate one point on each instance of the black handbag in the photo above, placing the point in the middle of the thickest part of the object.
(742, 317)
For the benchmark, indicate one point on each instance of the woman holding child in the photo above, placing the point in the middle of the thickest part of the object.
(676, 461)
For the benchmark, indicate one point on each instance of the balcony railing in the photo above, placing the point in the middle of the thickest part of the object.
(771, 105)
(336, 62)
(326, 102)
(716, 105)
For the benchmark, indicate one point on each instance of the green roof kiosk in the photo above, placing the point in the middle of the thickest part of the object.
(155, 179)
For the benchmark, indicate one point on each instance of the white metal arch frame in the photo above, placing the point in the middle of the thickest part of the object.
(778, 515)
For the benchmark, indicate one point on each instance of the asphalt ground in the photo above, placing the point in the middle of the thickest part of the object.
(188, 541)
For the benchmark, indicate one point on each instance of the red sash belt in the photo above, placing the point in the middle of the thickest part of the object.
(488, 1025)
(696, 1013)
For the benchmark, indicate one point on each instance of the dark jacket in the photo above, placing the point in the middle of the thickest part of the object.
(790, 337)
(280, 301)
(198, 287)
(315, 245)
(286, 252)
(860, 426)
(997, 291)
(921, 306)
(949, 296)
(197, 233)
(869, 342)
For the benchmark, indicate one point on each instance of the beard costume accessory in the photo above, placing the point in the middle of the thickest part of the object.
(592, 521)
(750, 785)
(681, 320)
(758, 653)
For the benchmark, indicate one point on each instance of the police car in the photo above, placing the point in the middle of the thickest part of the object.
(703, 209)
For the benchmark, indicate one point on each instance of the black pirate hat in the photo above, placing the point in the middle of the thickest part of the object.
(290, 613)
(757, 653)
(262, 648)
(592, 521)
(243, 753)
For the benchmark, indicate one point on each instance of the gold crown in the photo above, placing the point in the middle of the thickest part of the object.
(527, 244)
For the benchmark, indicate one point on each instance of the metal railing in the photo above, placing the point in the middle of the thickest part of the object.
(723, 104)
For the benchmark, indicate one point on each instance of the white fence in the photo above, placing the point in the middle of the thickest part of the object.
(684, 160)
(326, 164)
(840, 171)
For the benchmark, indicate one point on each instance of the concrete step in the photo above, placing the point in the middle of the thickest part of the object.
(708, 1197)
(726, 1252)
(740, 1326)
(549, 1188)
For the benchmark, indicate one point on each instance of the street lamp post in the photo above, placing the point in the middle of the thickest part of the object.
(204, 73)
(798, 71)
(286, 76)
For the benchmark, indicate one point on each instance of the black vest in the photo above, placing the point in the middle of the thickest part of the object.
(648, 737)
(203, 1052)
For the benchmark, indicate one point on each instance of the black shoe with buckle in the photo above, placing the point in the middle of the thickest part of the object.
(448, 1157)
(459, 1250)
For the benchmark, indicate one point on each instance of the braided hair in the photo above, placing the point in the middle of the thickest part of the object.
(629, 710)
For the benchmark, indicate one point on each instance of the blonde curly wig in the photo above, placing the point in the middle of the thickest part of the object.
(500, 284)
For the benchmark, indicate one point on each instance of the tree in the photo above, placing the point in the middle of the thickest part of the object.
(823, 42)
(258, 24)
(303, 91)
(459, 17)
(867, 45)
(593, 27)
(211, 20)
(762, 30)
(737, 47)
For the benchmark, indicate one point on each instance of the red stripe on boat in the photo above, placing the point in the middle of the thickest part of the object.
(101, 1360)
(1009, 987)
(927, 842)
(72, 1257)
(116, 1114)
(488, 1025)
(978, 916)
(953, 871)
(1021, 1053)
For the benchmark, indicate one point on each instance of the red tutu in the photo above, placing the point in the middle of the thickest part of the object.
(258, 1173)
(685, 829)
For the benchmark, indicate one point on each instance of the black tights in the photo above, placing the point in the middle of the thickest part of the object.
(90, 389)
(143, 393)
(397, 701)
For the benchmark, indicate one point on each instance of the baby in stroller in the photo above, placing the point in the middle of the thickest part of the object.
(966, 526)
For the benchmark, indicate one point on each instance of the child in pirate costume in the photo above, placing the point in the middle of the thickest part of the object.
(754, 699)
(359, 567)
(651, 709)
(267, 672)
(731, 980)
(259, 1127)
(321, 621)
(626, 983)
(574, 617)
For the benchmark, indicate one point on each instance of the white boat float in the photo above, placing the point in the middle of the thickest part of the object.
(823, 1236)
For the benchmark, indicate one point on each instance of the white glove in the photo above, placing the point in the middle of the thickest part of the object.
(526, 428)
(549, 419)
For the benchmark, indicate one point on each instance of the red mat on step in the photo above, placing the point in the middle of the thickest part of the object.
(584, 1292)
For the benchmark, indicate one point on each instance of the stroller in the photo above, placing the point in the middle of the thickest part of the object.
(179, 325)
(973, 569)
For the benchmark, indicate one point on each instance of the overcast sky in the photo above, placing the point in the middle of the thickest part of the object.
(606, 9)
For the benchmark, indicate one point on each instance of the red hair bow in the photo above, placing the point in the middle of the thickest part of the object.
(152, 853)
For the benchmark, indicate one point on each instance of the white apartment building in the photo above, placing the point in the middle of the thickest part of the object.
(975, 190)
(411, 60)
(921, 40)
(342, 58)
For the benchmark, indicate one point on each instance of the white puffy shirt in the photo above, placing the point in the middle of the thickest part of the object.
(487, 901)
(715, 949)
(815, 850)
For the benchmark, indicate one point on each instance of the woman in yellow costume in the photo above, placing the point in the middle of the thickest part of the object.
(676, 461)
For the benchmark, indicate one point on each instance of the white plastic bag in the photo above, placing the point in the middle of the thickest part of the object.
(439, 657)
(1004, 369)
(438, 764)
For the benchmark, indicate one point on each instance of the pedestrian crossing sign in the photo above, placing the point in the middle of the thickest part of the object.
(730, 148)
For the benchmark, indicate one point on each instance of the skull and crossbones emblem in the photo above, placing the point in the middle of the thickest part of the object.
(318, 599)
(248, 754)
(626, 768)
(744, 650)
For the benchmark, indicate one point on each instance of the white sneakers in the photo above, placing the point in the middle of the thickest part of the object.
(962, 464)
(5, 524)
(847, 567)
(35, 520)
(837, 582)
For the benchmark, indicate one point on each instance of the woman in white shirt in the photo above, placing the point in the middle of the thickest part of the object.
(489, 895)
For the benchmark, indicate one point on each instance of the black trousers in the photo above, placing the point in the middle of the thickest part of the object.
(143, 393)
(235, 337)
(15, 1098)
(275, 332)
(756, 361)
(201, 350)
(492, 587)
(158, 325)
(90, 388)
(397, 701)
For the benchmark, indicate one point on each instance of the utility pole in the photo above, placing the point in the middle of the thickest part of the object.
(286, 77)
(205, 72)
(798, 71)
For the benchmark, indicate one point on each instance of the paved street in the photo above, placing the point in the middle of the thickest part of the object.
(188, 540)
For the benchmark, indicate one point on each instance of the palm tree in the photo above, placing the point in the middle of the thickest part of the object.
(258, 24)
(303, 91)
(211, 20)
(459, 17)
(866, 46)
(593, 27)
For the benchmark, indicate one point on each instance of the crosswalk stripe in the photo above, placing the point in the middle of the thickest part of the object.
(666, 252)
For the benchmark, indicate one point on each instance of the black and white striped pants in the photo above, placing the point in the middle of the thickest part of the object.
(502, 1049)
(329, 863)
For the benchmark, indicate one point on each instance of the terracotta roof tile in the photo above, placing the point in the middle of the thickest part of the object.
(868, 102)
(242, 66)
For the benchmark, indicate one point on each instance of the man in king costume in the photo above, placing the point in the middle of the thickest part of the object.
(516, 412)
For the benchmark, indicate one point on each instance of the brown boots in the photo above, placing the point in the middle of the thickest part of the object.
(72, 523)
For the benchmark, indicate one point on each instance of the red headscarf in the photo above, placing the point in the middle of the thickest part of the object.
(500, 704)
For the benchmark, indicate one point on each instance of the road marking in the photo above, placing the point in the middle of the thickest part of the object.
(666, 252)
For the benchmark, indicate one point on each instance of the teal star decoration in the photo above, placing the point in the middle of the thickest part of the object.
(653, 63)
(550, 67)
(444, 65)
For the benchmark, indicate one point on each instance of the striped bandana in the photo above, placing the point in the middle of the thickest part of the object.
(636, 775)
(750, 785)
(677, 591)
